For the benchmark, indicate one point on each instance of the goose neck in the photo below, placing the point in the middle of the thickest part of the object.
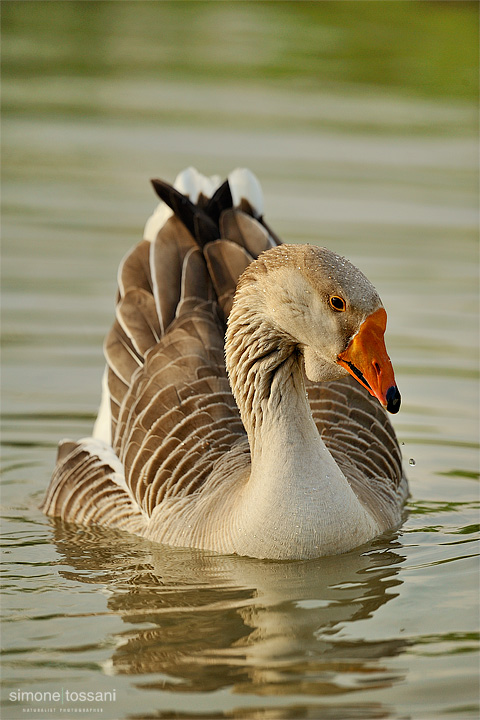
(263, 367)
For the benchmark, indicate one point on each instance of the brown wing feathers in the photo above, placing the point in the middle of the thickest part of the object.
(173, 413)
(357, 432)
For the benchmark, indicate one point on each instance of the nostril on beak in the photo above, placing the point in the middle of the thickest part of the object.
(377, 368)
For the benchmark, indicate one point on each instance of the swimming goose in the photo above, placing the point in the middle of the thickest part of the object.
(244, 396)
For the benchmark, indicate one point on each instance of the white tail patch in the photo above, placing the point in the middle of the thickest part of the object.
(156, 221)
(192, 183)
(244, 184)
(102, 430)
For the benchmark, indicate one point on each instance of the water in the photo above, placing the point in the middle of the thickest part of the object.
(384, 173)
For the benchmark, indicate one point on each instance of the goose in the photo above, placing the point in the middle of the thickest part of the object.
(245, 394)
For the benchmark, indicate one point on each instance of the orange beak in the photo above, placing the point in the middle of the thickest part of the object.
(366, 359)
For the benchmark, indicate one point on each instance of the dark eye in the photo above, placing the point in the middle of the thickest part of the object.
(337, 303)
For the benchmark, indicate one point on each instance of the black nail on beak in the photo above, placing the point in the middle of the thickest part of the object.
(393, 399)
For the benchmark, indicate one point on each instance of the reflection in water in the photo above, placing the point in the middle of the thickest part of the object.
(201, 622)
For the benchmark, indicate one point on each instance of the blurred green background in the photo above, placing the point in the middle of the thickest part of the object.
(422, 49)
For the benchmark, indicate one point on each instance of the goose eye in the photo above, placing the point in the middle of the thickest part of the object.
(337, 303)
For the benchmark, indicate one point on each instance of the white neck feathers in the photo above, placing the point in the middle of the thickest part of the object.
(297, 502)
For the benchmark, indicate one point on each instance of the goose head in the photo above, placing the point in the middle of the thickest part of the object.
(326, 307)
